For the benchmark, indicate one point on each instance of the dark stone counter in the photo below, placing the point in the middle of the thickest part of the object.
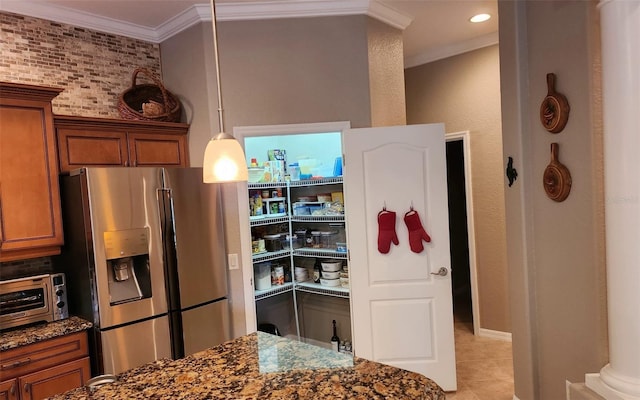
(263, 366)
(32, 334)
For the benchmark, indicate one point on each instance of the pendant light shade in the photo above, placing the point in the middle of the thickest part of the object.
(224, 159)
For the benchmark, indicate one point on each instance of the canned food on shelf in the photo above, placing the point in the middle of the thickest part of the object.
(277, 275)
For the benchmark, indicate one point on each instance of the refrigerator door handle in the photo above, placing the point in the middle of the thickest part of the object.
(171, 278)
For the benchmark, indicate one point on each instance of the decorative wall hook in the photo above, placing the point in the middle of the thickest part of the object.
(512, 174)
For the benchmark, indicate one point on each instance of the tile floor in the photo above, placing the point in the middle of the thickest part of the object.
(484, 367)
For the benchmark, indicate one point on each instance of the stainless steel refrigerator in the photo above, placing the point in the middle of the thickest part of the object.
(145, 262)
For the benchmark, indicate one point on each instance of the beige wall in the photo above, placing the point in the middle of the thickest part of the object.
(386, 75)
(295, 71)
(464, 92)
(555, 250)
(281, 71)
(185, 66)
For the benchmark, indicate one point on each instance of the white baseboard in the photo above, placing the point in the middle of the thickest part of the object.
(596, 384)
(488, 333)
(515, 397)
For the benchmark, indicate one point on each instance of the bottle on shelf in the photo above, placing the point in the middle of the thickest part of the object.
(316, 272)
(335, 340)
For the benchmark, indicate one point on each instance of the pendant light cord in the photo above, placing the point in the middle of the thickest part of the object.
(217, 63)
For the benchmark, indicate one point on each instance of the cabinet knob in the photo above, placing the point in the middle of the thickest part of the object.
(12, 390)
(27, 387)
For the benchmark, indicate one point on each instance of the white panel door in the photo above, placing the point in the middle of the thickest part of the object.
(402, 311)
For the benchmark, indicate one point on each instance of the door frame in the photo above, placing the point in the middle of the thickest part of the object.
(464, 136)
(246, 263)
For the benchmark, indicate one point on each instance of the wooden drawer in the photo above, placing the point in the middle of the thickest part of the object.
(34, 357)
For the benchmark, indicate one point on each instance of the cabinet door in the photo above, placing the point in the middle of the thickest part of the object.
(48, 382)
(30, 216)
(8, 390)
(91, 148)
(157, 150)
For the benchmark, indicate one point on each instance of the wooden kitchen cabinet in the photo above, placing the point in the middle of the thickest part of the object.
(30, 216)
(9, 390)
(42, 369)
(101, 142)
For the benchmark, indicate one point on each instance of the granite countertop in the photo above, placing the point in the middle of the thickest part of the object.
(264, 366)
(32, 334)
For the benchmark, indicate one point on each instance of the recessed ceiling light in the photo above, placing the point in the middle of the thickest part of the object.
(480, 18)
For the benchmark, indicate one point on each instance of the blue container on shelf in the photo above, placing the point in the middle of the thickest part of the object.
(337, 167)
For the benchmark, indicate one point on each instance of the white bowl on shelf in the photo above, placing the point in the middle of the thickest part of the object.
(330, 275)
(331, 265)
(329, 282)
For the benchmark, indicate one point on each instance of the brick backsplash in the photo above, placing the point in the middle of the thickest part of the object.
(22, 268)
(92, 67)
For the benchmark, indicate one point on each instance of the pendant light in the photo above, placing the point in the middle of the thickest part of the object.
(224, 159)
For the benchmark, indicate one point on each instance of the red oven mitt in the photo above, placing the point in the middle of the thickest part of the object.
(416, 232)
(386, 231)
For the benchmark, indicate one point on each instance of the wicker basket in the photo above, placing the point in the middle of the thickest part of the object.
(148, 102)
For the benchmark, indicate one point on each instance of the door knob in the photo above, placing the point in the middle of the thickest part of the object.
(441, 272)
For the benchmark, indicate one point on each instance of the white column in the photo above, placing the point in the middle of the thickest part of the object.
(620, 34)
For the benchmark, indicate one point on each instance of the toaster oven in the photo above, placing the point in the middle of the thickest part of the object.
(41, 298)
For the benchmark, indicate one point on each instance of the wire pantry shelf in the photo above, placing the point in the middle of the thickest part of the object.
(267, 185)
(317, 218)
(314, 182)
(316, 288)
(270, 255)
(323, 253)
(274, 291)
(266, 220)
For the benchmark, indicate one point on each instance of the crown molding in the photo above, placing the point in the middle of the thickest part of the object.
(79, 18)
(452, 50)
(202, 12)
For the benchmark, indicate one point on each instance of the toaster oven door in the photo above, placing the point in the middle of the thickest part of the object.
(24, 301)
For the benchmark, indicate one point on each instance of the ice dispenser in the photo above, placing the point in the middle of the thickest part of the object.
(128, 271)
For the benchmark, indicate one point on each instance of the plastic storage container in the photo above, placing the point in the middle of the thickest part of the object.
(262, 278)
(272, 242)
(328, 239)
(316, 240)
(301, 235)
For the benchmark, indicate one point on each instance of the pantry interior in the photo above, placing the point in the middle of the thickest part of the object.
(297, 228)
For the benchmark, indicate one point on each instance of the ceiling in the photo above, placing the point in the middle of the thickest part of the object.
(432, 29)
